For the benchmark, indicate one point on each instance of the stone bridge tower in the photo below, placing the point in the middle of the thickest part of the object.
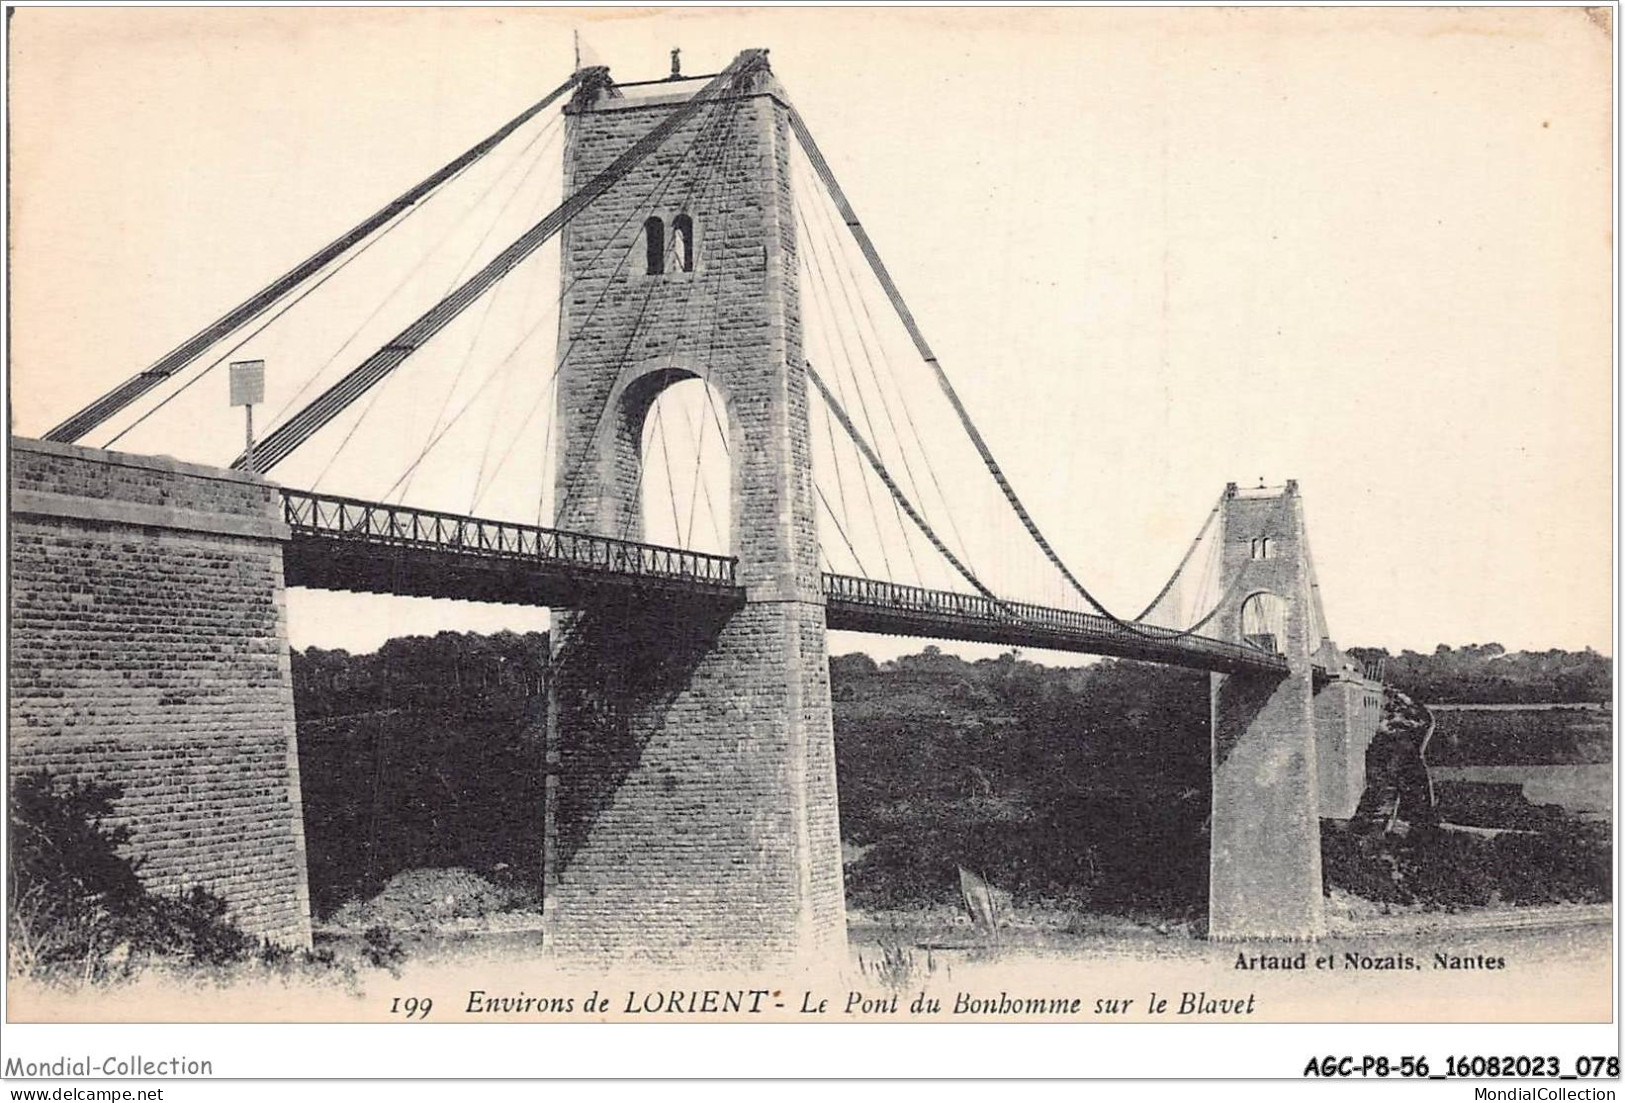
(691, 809)
(1287, 750)
(1265, 866)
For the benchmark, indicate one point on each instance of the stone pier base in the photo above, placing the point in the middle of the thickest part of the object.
(1265, 866)
(691, 789)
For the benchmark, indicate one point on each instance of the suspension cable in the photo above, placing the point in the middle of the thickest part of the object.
(255, 305)
(529, 308)
(259, 329)
(378, 394)
(1189, 551)
(490, 300)
(874, 513)
(840, 528)
(827, 301)
(389, 296)
(891, 485)
(279, 444)
(867, 247)
(647, 202)
(846, 279)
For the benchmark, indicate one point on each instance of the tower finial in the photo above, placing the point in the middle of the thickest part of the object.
(676, 64)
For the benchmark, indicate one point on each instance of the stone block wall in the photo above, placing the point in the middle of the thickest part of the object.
(148, 645)
(693, 815)
(1346, 715)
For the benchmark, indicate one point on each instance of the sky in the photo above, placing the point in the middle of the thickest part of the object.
(1156, 249)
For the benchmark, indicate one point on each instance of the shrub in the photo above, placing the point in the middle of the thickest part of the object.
(898, 966)
(382, 949)
(78, 909)
(1570, 862)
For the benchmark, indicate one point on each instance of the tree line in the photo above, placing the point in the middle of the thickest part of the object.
(1053, 783)
(1489, 674)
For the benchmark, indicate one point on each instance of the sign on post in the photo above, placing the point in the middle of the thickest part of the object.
(247, 382)
(247, 389)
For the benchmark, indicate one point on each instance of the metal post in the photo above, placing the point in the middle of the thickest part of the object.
(247, 388)
(248, 436)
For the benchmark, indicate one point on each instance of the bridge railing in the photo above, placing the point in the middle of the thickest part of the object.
(962, 607)
(379, 523)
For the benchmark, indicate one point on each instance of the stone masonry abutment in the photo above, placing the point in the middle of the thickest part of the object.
(149, 650)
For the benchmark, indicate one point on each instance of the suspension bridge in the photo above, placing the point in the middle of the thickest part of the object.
(702, 245)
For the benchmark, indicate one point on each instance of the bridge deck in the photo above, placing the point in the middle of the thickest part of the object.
(350, 544)
(864, 605)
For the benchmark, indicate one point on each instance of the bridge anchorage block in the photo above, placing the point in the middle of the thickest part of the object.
(150, 652)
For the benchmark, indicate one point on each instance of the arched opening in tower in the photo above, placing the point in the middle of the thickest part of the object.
(1263, 622)
(685, 482)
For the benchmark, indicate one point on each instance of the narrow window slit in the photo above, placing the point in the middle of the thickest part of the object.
(682, 229)
(654, 237)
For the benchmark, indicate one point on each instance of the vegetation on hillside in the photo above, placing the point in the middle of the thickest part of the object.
(1569, 861)
(78, 911)
(1489, 674)
(1396, 775)
(424, 754)
(1085, 786)
(77, 907)
(415, 672)
(1522, 737)
(1054, 784)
